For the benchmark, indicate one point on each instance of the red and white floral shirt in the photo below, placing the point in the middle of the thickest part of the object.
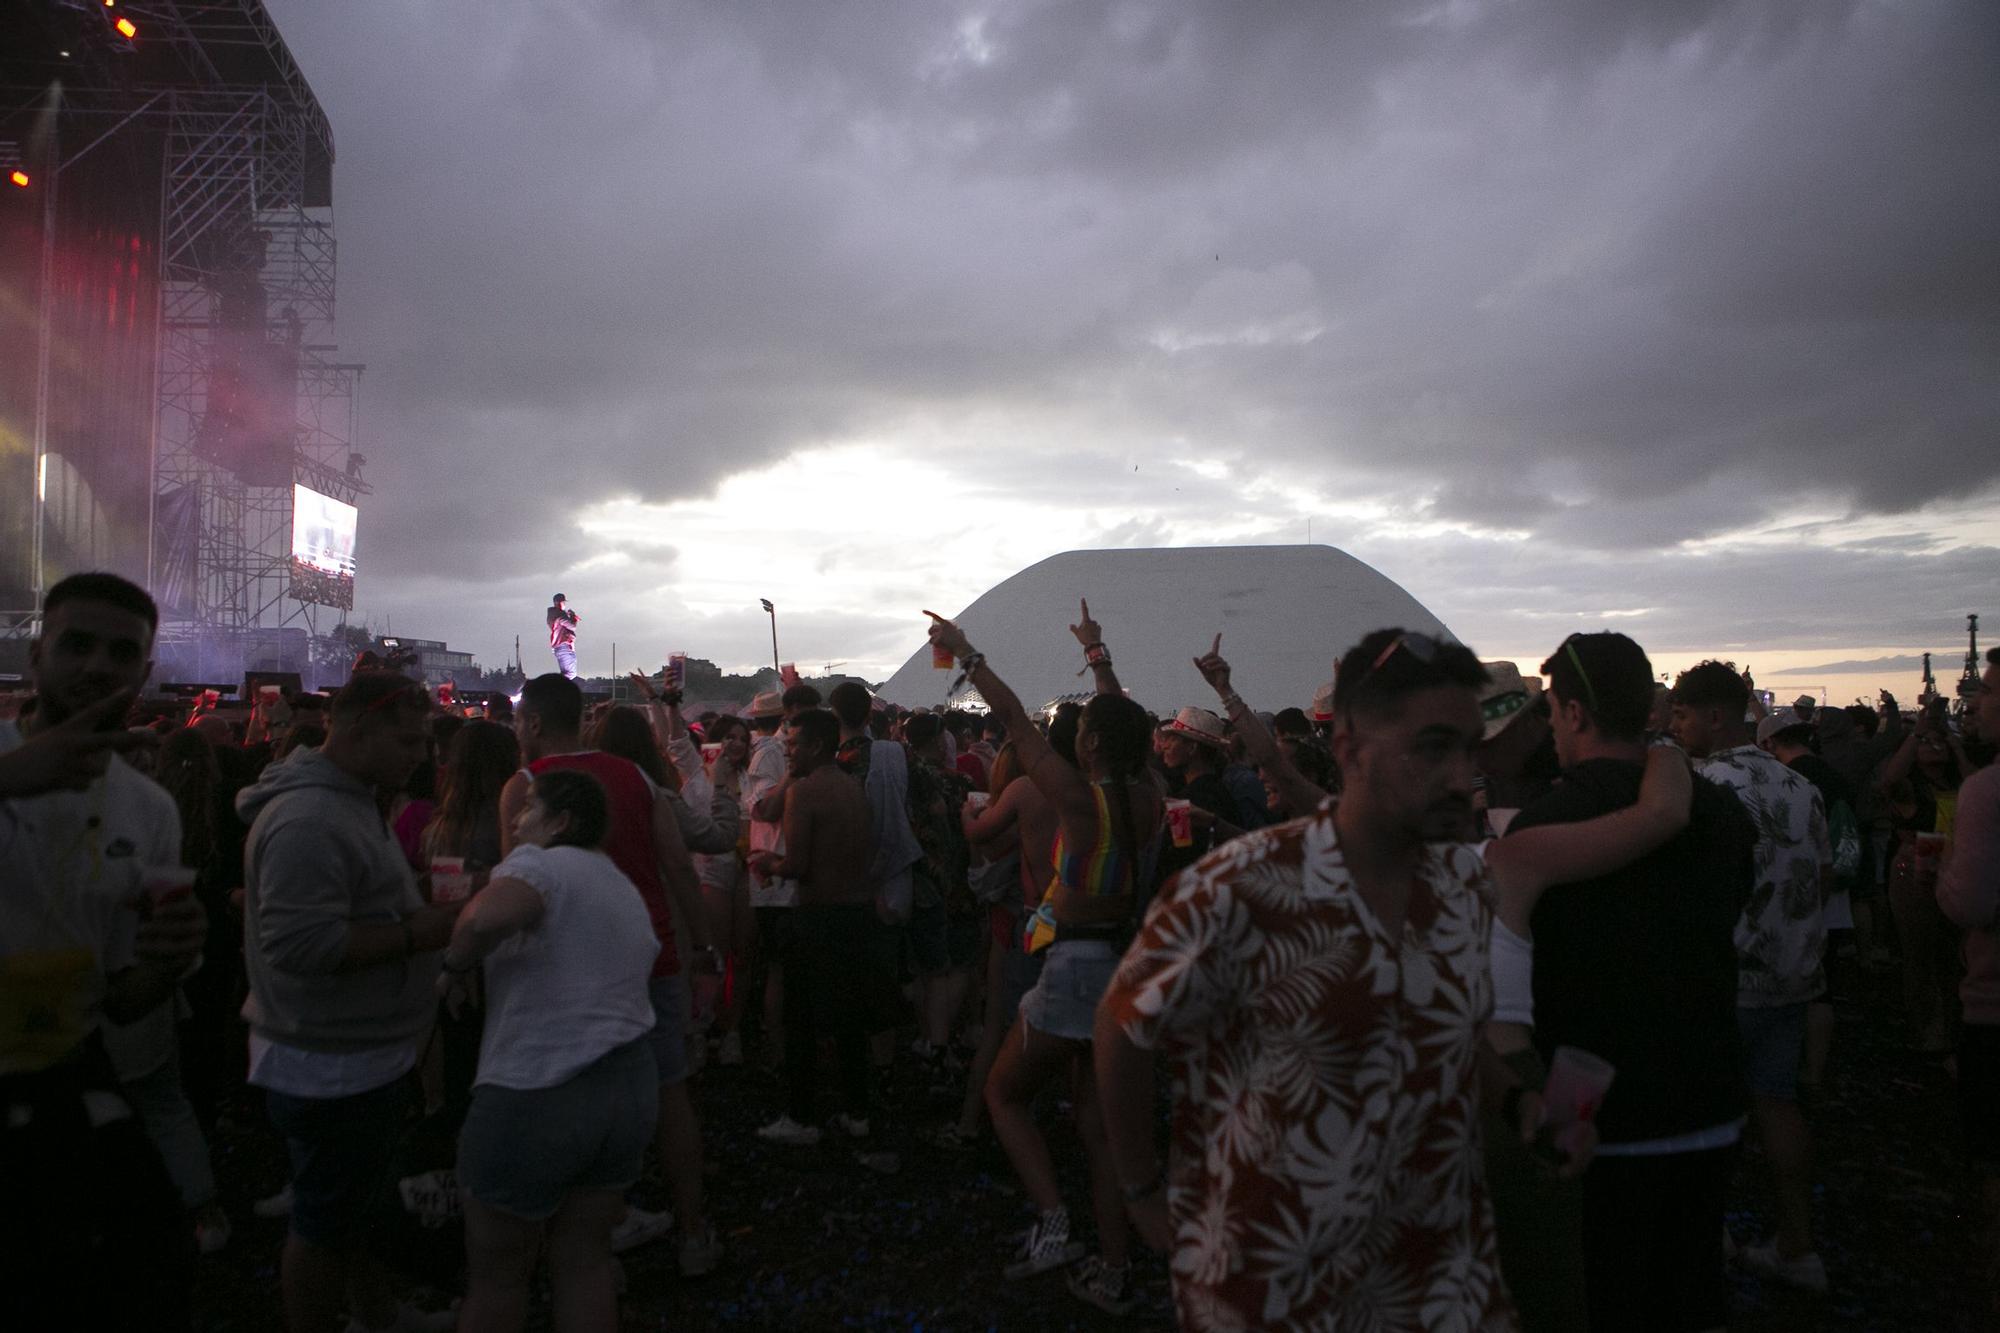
(1326, 1169)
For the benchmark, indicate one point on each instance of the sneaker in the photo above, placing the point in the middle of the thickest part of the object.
(639, 1227)
(274, 1206)
(950, 1138)
(701, 1253)
(1046, 1246)
(1099, 1284)
(211, 1231)
(730, 1053)
(854, 1126)
(1807, 1271)
(789, 1132)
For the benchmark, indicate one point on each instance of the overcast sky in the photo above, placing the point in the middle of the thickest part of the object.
(1674, 317)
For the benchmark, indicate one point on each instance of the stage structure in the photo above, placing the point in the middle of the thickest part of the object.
(199, 133)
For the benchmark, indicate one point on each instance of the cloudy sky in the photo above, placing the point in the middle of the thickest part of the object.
(1673, 316)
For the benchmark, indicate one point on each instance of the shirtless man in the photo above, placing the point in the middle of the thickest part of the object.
(827, 946)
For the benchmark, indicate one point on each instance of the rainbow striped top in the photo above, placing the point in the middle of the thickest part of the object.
(1103, 871)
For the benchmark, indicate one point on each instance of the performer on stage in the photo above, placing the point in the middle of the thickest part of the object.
(562, 635)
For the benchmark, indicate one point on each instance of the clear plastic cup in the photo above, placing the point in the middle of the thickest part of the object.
(1180, 821)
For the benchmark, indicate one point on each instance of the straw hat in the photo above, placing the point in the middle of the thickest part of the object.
(1199, 725)
(768, 704)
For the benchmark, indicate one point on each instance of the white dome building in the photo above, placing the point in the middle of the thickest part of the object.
(1285, 613)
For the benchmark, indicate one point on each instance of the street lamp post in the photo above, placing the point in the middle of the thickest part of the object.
(773, 612)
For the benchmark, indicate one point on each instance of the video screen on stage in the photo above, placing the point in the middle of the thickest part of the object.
(322, 549)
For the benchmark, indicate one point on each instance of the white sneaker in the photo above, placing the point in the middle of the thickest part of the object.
(789, 1132)
(276, 1205)
(639, 1227)
(854, 1126)
(1807, 1271)
(730, 1053)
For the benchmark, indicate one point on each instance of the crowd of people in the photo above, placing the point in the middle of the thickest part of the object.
(1470, 987)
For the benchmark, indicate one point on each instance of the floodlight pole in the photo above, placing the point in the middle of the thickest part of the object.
(774, 637)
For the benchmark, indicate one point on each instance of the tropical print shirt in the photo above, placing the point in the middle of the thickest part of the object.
(1325, 1171)
(1781, 935)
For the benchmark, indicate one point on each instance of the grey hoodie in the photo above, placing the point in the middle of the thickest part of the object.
(318, 858)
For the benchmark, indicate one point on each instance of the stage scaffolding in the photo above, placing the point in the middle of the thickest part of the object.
(246, 260)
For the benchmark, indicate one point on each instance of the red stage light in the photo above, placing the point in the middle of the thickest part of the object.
(127, 28)
(20, 178)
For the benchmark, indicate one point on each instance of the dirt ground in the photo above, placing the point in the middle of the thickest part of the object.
(915, 1238)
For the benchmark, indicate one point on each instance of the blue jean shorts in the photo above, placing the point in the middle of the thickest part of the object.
(341, 1151)
(1075, 975)
(523, 1150)
(1774, 1040)
(669, 1034)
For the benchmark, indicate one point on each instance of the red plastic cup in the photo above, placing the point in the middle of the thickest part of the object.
(1180, 821)
(165, 884)
(1576, 1086)
(450, 881)
(709, 754)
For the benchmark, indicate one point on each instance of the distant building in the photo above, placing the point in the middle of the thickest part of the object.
(1285, 613)
(437, 662)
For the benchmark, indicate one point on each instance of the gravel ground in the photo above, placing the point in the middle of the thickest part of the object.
(905, 1236)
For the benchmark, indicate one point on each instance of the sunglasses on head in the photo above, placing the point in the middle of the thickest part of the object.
(1420, 646)
(1569, 651)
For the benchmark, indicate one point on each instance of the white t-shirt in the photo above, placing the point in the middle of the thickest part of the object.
(70, 865)
(572, 987)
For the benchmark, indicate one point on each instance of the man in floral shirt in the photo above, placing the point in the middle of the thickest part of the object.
(1321, 988)
(1779, 943)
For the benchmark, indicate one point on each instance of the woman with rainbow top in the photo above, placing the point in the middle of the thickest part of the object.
(1109, 809)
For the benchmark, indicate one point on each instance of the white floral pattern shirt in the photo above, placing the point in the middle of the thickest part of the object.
(1781, 937)
(1326, 1170)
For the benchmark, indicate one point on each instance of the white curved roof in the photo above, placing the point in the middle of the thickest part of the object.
(1286, 614)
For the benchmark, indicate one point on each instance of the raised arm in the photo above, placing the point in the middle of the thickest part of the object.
(1258, 742)
(1095, 655)
(1525, 863)
(1055, 779)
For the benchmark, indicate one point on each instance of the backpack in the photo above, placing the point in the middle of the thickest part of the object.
(1843, 834)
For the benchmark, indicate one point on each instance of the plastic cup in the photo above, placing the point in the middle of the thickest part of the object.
(941, 658)
(166, 884)
(677, 670)
(976, 802)
(1180, 821)
(709, 754)
(1576, 1086)
(450, 881)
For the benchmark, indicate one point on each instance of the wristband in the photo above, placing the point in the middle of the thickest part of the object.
(970, 663)
(1096, 654)
(1232, 701)
(1134, 1193)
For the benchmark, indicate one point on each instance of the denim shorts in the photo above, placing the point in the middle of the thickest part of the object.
(1774, 1040)
(523, 1150)
(341, 1151)
(1075, 975)
(669, 1035)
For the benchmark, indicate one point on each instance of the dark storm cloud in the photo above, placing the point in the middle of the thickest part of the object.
(1618, 275)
